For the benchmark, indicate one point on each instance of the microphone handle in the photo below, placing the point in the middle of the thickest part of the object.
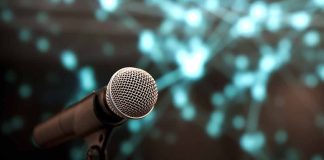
(78, 120)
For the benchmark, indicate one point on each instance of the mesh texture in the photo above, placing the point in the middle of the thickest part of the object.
(131, 93)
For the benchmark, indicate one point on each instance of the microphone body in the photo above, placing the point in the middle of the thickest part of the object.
(79, 120)
(130, 93)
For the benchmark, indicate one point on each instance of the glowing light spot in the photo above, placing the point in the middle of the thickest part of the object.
(7, 15)
(24, 35)
(245, 27)
(25, 91)
(300, 20)
(310, 80)
(177, 12)
(312, 38)
(146, 42)
(109, 5)
(241, 62)
(281, 136)
(69, 60)
(134, 126)
(259, 92)
(127, 148)
(191, 65)
(258, 11)
(268, 63)
(252, 142)
(193, 17)
(188, 113)
(167, 26)
(167, 79)
(274, 20)
(320, 71)
(218, 100)
(42, 44)
(319, 3)
(211, 5)
(87, 79)
(180, 97)
(215, 124)
(101, 15)
(243, 79)
(238, 122)
(230, 91)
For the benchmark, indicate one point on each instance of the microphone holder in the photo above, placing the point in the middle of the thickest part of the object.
(98, 144)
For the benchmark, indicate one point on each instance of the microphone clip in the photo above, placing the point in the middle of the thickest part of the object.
(98, 144)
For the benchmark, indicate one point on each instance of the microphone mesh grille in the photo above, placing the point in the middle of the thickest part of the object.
(133, 93)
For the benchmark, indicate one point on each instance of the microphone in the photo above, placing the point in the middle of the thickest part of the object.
(130, 94)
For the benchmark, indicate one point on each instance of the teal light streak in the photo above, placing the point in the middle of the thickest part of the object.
(69, 60)
(87, 79)
(215, 124)
(134, 126)
(179, 96)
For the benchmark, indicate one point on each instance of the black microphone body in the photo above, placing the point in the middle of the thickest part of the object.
(130, 93)
(81, 119)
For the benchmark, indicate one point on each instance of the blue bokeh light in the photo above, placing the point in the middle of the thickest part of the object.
(25, 91)
(42, 44)
(188, 113)
(300, 20)
(215, 124)
(238, 122)
(109, 5)
(69, 60)
(87, 79)
(252, 142)
(312, 38)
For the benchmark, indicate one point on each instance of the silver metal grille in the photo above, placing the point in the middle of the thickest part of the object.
(131, 93)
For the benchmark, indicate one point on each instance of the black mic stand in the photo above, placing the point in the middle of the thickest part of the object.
(98, 141)
(98, 144)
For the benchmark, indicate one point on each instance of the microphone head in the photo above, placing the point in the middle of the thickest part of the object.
(131, 93)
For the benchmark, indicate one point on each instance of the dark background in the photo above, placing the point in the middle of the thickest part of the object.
(291, 105)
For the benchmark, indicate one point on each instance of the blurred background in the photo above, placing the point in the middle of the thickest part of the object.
(237, 79)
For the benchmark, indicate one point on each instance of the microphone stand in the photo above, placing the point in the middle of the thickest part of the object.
(98, 144)
(98, 141)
